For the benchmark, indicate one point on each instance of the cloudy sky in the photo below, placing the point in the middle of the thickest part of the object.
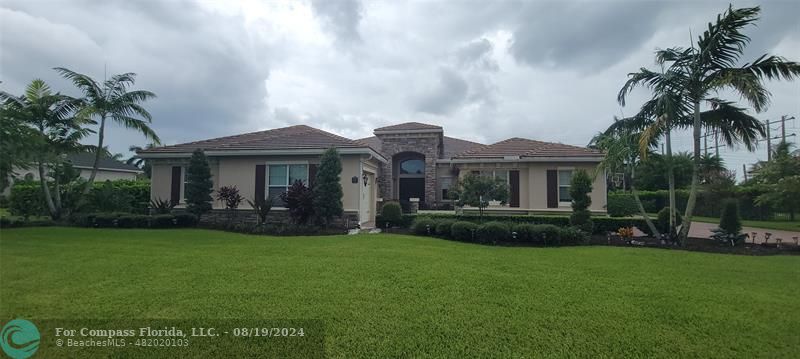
(547, 70)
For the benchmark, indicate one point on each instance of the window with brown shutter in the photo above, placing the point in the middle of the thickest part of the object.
(175, 188)
(552, 189)
(513, 178)
(261, 183)
(312, 174)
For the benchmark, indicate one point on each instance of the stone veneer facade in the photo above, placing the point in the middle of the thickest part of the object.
(428, 143)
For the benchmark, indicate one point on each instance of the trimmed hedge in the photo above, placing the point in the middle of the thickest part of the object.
(602, 225)
(621, 205)
(444, 226)
(708, 204)
(423, 225)
(27, 198)
(463, 231)
(492, 232)
(127, 220)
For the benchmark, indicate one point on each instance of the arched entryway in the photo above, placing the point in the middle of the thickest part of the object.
(409, 170)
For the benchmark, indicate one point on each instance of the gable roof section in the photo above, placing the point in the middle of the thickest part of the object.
(299, 137)
(86, 160)
(531, 149)
(409, 127)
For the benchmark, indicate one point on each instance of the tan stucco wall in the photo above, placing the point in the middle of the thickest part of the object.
(533, 182)
(240, 172)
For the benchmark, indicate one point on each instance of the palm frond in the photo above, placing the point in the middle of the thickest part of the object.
(85, 83)
(734, 125)
(136, 124)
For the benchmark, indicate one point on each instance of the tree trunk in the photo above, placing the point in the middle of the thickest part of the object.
(641, 207)
(671, 179)
(46, 191)
(99, 150)
(687, 217)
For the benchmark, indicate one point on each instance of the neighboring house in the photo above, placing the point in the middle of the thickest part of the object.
(108, 169)
(401, 162)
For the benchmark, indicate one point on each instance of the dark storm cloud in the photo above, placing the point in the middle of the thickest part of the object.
(477, 54)
(584, 35)
(207, 73)
(444, 95)
(342, 17)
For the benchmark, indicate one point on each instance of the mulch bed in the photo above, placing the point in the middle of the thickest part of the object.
(702, 245)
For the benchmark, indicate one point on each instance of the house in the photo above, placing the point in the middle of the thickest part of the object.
(407, 162)
(108, 169)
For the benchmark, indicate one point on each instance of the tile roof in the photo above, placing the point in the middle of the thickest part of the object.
(409, 126)
(292, 137)
(452, 146)
(86, 160)
(523, 147)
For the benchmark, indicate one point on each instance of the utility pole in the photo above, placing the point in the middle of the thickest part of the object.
(716, 142)
(769, 144)
(783, 126)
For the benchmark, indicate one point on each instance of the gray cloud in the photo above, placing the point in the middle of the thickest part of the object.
(208, 77)
(443, 95)
(477, 54)
(342, 17)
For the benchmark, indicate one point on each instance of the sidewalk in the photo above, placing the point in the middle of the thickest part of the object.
(703, 230)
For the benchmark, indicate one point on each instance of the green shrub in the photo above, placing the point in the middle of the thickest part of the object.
(118, 196)
(106, 220)
(493, 232)
(729, 221)
(582, 219)
(463, 230)
(524, 232)
(443, 227)
(621, 205)
(133, 221)
(392, 213)
(662, 221)
(546, 234)
(186, 219)
(573, 235)
(6, 222)
(162, 221)
(26, 200)
(3, 201)
(424, 226)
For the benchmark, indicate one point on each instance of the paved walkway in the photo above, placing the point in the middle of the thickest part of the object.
(703, 230)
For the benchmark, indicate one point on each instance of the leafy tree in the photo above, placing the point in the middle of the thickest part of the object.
(476, 191)
(299, 199)
(580, 187)
(328, 188)
(652, 172)
(711, 167)
(696, 75)
(199, 186)
(111, 100)
(17, 146)
(53, 129)
(780, 179)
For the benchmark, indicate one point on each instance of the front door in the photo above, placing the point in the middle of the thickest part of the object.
(367, 200)
(412, 188)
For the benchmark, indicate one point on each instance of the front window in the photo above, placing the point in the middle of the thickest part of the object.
(498, 175)
(564, 180)
(185, 181)
(282, 176)
(415, 167)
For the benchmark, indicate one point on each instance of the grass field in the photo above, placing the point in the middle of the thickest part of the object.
(401, 296)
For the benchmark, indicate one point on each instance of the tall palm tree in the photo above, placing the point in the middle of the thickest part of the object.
(111, 100)
(699, 73)
(621, 148)
(57, 132)
(138, 161)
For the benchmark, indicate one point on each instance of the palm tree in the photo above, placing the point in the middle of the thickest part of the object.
(621, 148)
(57, 133)
(137, 161)
(697, 74)
(710, 166)
(111, 100)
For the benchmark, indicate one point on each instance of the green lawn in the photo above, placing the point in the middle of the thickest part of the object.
(401, 296)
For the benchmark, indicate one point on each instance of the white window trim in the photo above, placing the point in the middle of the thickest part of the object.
(286, 163)
(184, 178)
(558, 175)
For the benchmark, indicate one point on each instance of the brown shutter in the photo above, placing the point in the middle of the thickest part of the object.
(552, 189)
(513, 177)
(261, 184)
(312, 174)
(175, 189)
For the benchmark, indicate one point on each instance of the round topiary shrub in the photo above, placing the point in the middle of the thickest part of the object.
(392, 213)
(546, 234)
(662, 222)
(729, 220)
(492, 232)
(463, 231)
(424, 226)
(443, 227)
(573, 235)
(523, 232)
